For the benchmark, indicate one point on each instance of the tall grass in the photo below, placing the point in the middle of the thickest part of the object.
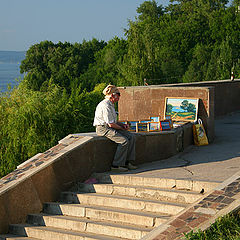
(225, 228)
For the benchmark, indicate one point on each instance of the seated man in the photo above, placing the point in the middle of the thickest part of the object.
(106, 125)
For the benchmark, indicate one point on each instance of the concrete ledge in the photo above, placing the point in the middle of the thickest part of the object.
(43, 177)
(140, 102)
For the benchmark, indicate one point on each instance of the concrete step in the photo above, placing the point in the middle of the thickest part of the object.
(108, 209)
(107, 213)
(51, 233)
(170, 195)
(15, 237)
(89, 226)
(123, 202)
(166, 183)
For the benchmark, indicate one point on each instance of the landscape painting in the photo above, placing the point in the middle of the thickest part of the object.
(142, 127)
(154, 126)
(165, 125)
(132, 125)
(181, 109)
(155, 119)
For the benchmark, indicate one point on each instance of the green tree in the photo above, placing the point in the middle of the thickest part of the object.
(191, 108)
(33, 121)
(62, 63)
(184, 105)
(106, 68)
(221, 62)
(197, 69)
(142, 36)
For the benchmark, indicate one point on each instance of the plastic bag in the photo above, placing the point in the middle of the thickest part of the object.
(199, 134)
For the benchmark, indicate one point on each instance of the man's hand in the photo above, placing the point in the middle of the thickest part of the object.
(123, 125)
(126, 126)
(118, 126)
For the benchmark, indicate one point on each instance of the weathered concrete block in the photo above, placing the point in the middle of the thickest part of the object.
(4, 217)
(20, 200)
(46, 184)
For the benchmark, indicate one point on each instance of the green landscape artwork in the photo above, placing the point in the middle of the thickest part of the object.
(181, 109)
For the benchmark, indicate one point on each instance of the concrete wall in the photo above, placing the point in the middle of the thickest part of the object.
(43, 177)
(142, 102)
(226, 94)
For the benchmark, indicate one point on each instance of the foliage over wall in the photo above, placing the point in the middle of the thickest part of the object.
(32, 121)
(187, 41)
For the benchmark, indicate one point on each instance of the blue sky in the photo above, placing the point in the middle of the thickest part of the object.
(27, 22)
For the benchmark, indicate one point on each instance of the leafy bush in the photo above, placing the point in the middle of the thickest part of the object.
(33, 121)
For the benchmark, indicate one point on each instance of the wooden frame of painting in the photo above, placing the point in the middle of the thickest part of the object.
(169, 117)
(153, 126)
(181, 109)
(142, 127)
(132, 126)
(144, 121)
(165, 125)
(155, 119)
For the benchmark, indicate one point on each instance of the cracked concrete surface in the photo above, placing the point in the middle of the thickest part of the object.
(214, 162)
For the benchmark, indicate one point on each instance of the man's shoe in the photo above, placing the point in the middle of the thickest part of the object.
(131, 166)
(119, 169)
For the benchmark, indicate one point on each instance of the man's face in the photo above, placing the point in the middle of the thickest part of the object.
(116, 97)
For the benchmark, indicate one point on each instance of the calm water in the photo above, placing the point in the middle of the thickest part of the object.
(178, 109)
(8, 73)
(9, 68)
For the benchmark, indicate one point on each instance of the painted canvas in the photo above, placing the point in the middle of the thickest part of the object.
(142, 127)
(165, 125)
(181, 109)
(155, 119)
(132, 126)
(169, 117)
(154, 126)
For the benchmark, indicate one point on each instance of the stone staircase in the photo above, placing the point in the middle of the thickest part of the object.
(119, 206)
